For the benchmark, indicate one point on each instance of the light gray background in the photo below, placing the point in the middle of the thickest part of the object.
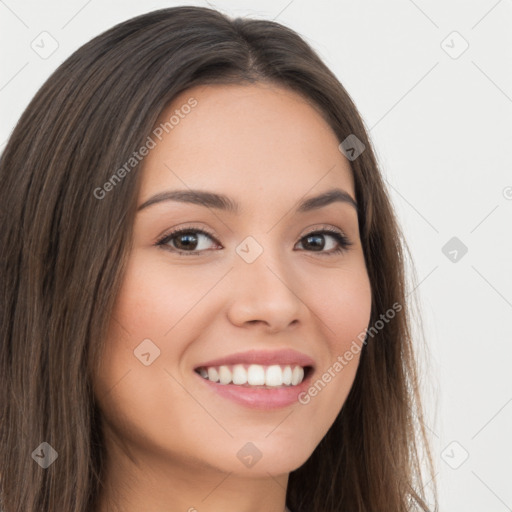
(441, 124)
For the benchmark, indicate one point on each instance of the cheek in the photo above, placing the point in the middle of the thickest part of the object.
(157, 304)
(343, 305)
(136, 398)
(154, 298)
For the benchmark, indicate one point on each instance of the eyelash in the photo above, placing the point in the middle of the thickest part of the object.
(343, 242)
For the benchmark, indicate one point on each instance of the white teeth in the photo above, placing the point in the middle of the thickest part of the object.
(213, 375)
(274, 376)
(239, 374)
(254, 375)
(297, 375)
(287, 375)
(224, 375)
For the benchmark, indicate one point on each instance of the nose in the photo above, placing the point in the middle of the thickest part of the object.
(262, 294)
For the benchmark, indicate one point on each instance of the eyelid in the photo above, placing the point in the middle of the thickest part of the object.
(174, 231)
(321, 227)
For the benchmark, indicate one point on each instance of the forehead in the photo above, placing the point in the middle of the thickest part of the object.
(244, 140)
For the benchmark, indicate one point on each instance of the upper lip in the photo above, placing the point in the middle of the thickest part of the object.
(268, 357)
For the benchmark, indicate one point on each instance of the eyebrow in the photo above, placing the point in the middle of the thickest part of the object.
(222, 202)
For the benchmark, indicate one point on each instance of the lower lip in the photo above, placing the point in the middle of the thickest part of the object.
(260, 398)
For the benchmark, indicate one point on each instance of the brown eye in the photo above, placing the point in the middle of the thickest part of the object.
(316, 240)
(185, 241)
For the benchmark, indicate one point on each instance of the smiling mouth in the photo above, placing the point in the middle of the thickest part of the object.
(255, 375)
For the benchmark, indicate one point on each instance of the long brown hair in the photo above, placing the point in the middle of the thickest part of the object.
(64, 250)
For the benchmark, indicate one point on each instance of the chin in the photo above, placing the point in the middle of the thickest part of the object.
(261, 457)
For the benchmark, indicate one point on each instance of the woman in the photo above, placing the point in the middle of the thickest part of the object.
(203, 304)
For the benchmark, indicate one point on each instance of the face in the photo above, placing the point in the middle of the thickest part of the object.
(270, 285)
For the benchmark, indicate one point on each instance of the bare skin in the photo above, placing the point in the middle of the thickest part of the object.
(172, 441)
